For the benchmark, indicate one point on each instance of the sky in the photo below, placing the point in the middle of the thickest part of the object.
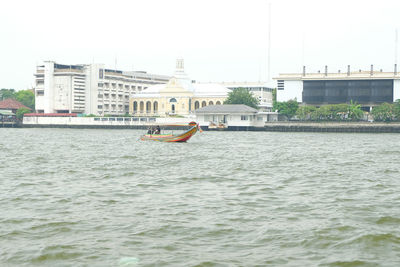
(220, 40)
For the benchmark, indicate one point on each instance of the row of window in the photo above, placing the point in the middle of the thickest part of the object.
(120, 86)
(124, 119)
(363, 91)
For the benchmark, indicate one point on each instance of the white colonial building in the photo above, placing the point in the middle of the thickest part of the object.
(180, 96)
(88, 89)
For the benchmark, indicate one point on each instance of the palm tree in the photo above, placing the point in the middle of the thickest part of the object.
(355, 112)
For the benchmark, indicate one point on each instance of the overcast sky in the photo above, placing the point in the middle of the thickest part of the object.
(220, 40)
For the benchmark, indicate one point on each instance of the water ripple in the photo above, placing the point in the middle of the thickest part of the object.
(103, 198)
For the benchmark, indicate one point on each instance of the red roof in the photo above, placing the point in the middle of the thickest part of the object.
(50, 115)
(11, 104)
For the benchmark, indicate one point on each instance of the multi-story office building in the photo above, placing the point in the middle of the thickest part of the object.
(88, 89)
(260, 90)
(368, 88)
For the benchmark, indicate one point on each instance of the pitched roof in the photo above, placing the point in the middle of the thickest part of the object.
(11, 104)
(239, 108)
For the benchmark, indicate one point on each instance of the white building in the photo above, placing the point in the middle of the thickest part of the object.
(237, 116)
(88, 89)
(262, 91)
(368, 88)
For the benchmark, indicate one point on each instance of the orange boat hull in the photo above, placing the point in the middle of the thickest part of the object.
(169, 137)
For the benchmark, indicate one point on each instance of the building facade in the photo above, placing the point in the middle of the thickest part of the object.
(368, 88)
(260, 90)
(88, 89)
(226, 116)
(180, 96)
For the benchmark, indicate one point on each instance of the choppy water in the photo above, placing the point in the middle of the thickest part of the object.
(102, 198)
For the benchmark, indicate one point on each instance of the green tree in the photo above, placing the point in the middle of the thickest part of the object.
(7, 93)
(396, 109)
(242, 96)
(21, 112)
(287, 108)
(304, 112)
(383, 112)
(355, 112)
(26, 97)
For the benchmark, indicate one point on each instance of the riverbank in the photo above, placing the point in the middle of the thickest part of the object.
(333, 127)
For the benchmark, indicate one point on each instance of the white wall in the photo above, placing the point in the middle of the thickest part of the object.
(233, 120)
(90, 121)
(396, 90)
(62, 93)
(292, 90)
(48, 88)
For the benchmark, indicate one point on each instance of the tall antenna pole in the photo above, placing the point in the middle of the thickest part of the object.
(269, 43)
(302, 51)
(396, 40)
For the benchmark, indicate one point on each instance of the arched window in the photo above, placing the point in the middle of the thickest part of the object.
(203, 104)
(196, 105)
(148, 107)
(141, 107)
(210, 103)
(155, 107)
(173, 108)
(218, 103)
(172, 100)
(135, 106)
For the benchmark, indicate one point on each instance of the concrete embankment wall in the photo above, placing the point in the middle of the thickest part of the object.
(334, 127)
(92, 123)
(330, 127)
(101, 123)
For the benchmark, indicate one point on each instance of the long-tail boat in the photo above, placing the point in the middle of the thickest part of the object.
(183, 137)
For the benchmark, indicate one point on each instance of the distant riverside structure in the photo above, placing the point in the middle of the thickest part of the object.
(368, 88)
(12, 105)
(180, 96)
(260, 90)
(88, 88)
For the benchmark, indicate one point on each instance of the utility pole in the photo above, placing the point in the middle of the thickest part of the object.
(269, 44)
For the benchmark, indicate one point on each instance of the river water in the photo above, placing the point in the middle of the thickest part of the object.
(73, 197)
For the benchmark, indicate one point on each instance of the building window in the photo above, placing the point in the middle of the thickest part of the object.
(148, 107)
(172, 100)
(244, 118)
(281, 85)
(101, 73)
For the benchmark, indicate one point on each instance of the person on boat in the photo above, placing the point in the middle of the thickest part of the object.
(158, 130)
(150, 130)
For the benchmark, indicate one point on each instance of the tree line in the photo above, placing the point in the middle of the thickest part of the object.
(338, 112)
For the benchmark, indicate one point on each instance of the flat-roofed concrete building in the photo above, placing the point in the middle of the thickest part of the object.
(368, 88)
(88, 88)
